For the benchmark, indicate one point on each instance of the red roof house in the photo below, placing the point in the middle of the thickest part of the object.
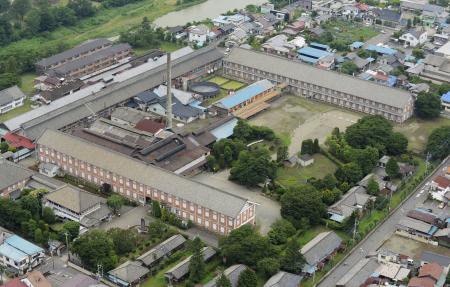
(150, 126)
(421, 282)
(431, 270)
(18, 141)
(441, 182)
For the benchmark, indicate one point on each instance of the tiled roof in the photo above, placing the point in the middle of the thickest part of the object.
(432, 270)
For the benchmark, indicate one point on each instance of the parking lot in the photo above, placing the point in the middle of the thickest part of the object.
(411, 247)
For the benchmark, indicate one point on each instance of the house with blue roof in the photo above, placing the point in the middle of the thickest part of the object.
(445, 100)
(245, 96)
(312, 55)
(356, 45)
(381, 50)
(19, 255)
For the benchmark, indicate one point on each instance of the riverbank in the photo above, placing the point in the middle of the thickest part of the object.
(106, 23)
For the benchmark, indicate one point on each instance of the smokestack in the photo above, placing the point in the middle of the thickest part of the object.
(169, 93)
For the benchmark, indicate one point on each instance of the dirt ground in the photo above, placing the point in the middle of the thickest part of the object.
(300, 119)
(411, 247)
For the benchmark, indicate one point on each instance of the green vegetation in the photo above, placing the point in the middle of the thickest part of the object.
(232, 85)
(17, 111)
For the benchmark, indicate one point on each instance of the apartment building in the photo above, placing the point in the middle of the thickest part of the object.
(77, 52)
(206, 206)
(320, 85)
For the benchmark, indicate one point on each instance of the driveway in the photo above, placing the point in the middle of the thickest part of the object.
(267, 211)
(129, 218)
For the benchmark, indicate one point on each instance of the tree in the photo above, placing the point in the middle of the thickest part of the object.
(4, 147)
(38, 236)
(94, 248)
(247, 278)
(4, 5)
(396, 144)
(373, 188)
(418, 53)
(439, 143)
(115, 202)
(366, 158)
(253, 167)
(156, 228)
(124, 241)
(20, 8)
(369, 131)
(73, 228)
(330, 196)
(12, 215)
(223, 281)
(245, 245)
(268, 267)
(8, 80)
(282, 153)
(48, 215)
(156, 209)
(349, 68)
(316, 146)
(428, 106)
(302, 205)
(32, 204)
(82, 8)
(349, 172)
(307, 147)
(293, 259)
(392, 168)
(196, 263)
(281, 230)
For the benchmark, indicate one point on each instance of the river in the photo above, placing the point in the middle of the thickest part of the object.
(209, 9)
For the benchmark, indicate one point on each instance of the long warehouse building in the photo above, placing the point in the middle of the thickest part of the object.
(321, 85)
(86, 105)
(206, 206)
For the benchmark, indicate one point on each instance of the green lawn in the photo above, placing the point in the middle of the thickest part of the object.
(27, 83)
(222, 94)
(232, 85)
(349, 31)
(322, 166)
(418, 130)
(218, 80)
(14, 113)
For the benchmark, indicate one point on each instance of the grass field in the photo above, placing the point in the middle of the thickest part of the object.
(322, 166)
(349, 31)
(218, 80)
(417, 131)
(27, 83)
(232, 85)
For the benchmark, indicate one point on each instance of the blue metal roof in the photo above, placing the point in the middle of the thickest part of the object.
(356, 45)
(381, 50)
(23, 245)
(242, 96)
(11, 252)
(318, 45)
(446, 97)
(308, 59)
(313, 53)
(225, 130)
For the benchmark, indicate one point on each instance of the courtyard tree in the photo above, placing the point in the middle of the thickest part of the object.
(373, 188)
(247, 278)
(196, 264)
(392, 168)
(280, 231)
(282, 153)
(156, 209)
(439, 143)
(349, 68)
(115, 203)
(396, 144)
(302, 206)
(268, 267)
(349, 172)
(293, 259)
(124, 241)
(48, 215)
(72, 228)
(223, 281)
(428, 105)
(369, 131)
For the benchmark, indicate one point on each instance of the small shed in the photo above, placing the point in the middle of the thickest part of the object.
(306, 160)
(292, 161)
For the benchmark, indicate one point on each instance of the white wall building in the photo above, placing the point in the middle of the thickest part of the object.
(10, 99)
(413, 37)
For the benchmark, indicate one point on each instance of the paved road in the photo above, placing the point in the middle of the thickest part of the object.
(380, 235)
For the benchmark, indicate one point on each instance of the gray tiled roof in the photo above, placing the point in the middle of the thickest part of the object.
(11, 173)
(130, 271)
(83, 48)
(440, 259)
(320, 247)
(359, 273)
(74, 199)
(162, 249)
(10, 94)
(182, 269)
(328, 79)
(284, 279)
(92, 58)
(232, 273)
(136, 170)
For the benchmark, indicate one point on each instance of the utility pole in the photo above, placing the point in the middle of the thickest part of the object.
(169, 93)
(67, 245)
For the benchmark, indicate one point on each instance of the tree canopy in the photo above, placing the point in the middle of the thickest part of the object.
(293, 260)
(247, 278)
(369, 131)
(439, 143)
(428, 105)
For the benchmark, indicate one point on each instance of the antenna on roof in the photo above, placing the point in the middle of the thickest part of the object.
(169, 93)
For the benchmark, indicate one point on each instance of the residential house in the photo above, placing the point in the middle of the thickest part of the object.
(311, 54)
(416, 229)
(13, 178)
(319, 250)
(444, 50)
(359, 273)
(232, 273)
(32, 279)
(177, 31)
(130, 273)
(10, 99)
(436, 68)
(295, 27)
(413, 37)
(199, 34)
(431, 274)
(384, 17)
(382, 162)
(266, 7)
(236, 20)
(425, 216)
(18, 254)
(440, 188)
(82, 280)
(82, 50)
(48, 169)
(353, 200)
(162, 250)
(22, 147)
(72, 203)
(430, 257)
(392, 272)
(179, 271)
(284, 279)
(280, 45)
